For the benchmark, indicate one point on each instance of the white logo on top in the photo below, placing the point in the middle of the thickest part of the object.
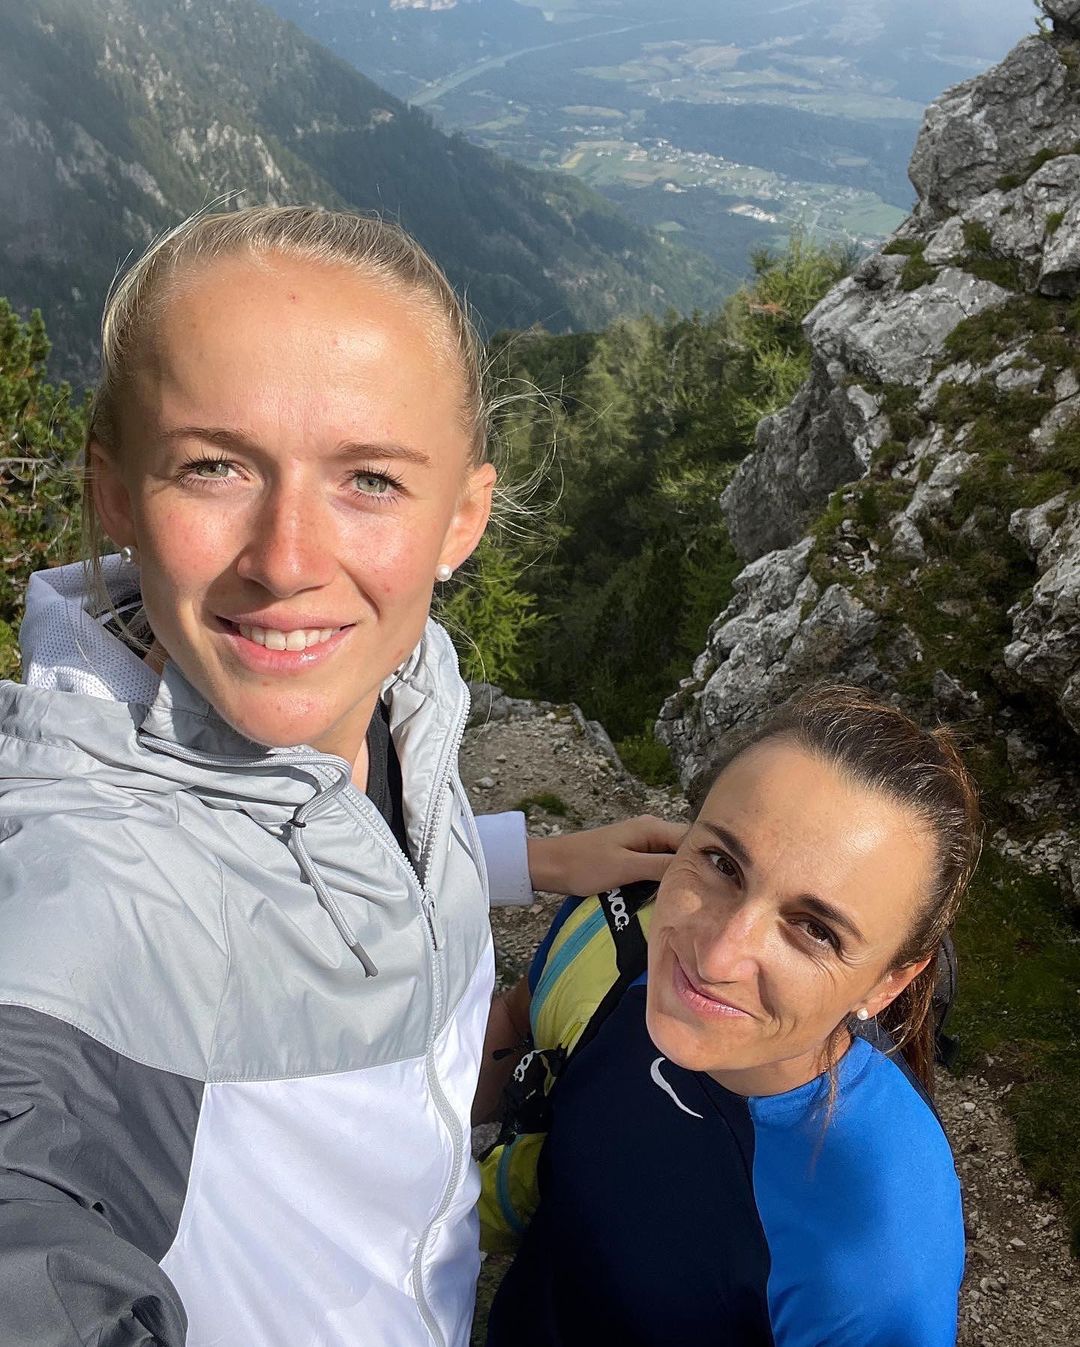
(657, 1078)
(617, 905)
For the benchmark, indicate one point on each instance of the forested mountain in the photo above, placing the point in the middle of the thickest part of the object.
(119, 117)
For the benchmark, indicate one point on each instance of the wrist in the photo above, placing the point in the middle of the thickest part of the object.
(544, 869)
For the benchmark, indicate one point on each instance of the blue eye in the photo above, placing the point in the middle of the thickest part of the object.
(207, 470)
(372, 483)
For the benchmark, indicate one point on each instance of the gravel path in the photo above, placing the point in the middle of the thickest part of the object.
(1022, 1287)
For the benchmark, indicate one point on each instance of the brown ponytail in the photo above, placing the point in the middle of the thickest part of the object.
(883, 749)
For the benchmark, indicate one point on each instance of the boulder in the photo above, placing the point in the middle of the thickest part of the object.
(1045, 650)
(779, 634)
(896, 337)
(1065, 13)
(993, 125)
(825, 437)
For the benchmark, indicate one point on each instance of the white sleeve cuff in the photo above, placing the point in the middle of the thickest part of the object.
(504, 842)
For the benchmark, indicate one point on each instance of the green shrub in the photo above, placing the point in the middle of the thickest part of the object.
(985, 335)
(645, 757)
(489, 614)
(41, 435)
(545, 800)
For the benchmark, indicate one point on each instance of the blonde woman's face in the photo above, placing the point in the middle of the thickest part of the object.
(292, 468)
(780, 916)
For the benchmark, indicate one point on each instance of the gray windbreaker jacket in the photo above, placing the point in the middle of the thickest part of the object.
(213, 1121)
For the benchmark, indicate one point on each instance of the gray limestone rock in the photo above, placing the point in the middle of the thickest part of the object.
(947, 244)
(1060, 273)
(937, 492)
(1065, 13)
(1019, 220)
(907, 543)
(993, 125)
(895, 337)
(825, 437)
(1045, 650)
(778, 634)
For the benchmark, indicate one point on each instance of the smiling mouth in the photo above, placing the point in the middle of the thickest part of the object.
(700, 1001)
(295, 640)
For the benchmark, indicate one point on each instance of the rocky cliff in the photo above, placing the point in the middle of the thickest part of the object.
(911, 522)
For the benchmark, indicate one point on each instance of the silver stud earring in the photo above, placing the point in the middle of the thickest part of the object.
(862, 1013)
(443, 572)
(128, 555)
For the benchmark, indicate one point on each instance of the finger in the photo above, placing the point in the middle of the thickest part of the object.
(656, 834)
(647, 865)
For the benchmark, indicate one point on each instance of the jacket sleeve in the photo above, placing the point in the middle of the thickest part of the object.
(504, 842)
(94, 1155)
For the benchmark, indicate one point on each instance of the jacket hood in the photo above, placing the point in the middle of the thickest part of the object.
(89, 706)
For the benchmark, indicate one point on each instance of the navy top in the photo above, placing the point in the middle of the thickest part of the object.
(672, 1210)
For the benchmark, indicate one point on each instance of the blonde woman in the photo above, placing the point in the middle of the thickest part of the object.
(245, 964)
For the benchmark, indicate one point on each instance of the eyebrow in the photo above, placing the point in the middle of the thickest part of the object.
(730, 841)
(234, 439)
(818, 907)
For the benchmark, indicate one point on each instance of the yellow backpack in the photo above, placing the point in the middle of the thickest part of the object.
(594, 951)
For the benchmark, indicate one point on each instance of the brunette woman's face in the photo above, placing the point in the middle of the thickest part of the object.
(781, 915)
(292, 468)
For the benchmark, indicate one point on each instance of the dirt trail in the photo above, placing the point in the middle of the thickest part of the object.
(1022, 1287)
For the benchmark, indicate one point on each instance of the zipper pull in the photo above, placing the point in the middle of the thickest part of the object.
(432, 916)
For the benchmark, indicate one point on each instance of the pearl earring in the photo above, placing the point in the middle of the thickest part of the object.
(443, 572)
(128, 555)
(862, 1013)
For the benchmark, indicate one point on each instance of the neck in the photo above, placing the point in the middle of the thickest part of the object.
(787, 1074)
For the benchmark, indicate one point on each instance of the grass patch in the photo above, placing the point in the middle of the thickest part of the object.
(917, 271)
(545, 800)
(645, 757)
(903, 248)
(982, 259)
(1019, 1002)
(1054, 221)
(997, 419)
(985, 335)
(898, 403)
(1008, 181)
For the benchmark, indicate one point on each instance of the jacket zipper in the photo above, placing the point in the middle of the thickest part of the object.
(443, 1107)
(429, 909)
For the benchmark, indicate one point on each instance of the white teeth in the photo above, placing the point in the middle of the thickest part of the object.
(300, 639)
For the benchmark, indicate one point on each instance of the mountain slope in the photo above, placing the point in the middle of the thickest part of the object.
(117, 121)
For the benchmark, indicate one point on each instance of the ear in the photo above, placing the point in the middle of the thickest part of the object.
(470, 518)
(112, 501)
(891, 985)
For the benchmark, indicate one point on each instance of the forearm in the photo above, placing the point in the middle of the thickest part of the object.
(507, 1030)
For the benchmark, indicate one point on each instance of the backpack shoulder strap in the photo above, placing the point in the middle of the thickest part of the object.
(526, 1097)
(620, 908)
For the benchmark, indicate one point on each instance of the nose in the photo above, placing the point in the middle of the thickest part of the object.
(728, 946)
(289, 544)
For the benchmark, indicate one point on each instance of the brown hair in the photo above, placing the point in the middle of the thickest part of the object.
(375, 248)
(880, 747)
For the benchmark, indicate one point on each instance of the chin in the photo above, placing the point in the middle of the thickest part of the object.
(688, 1045)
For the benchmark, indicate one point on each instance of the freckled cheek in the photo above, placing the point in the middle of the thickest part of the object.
(392, 561)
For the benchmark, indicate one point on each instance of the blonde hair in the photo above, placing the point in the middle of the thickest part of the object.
(376, 249)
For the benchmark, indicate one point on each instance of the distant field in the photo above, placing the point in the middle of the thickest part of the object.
(726, 122)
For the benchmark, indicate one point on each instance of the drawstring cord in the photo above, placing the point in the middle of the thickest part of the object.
(297, 824)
